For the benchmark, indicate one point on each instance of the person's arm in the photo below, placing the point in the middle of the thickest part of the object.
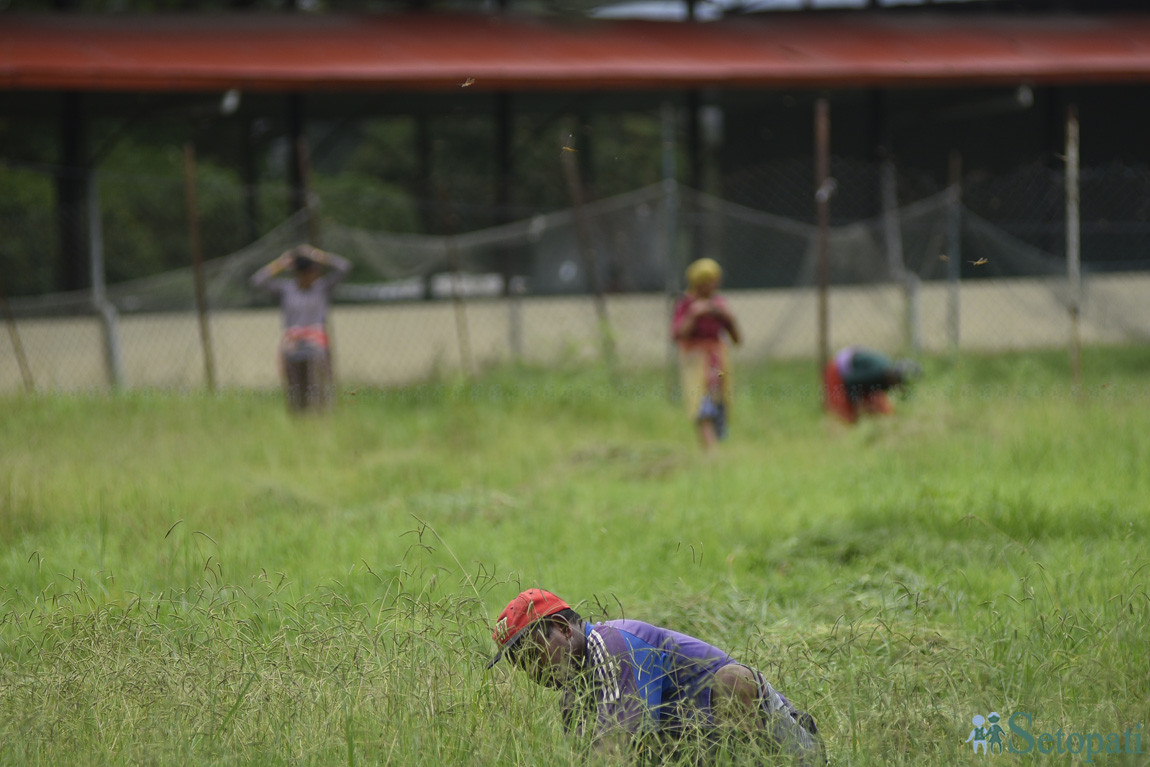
(722, 310)
(734, 697)
(686, 314)
(261, 280)
(613, 745)
(587, 714)
(338, 266)
(621, 712)
(679, 316)
(578, 711)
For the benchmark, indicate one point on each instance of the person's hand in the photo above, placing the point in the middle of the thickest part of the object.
(613, 745)
(701, 306)
(720, 309)
(320, 256)
(282, 263)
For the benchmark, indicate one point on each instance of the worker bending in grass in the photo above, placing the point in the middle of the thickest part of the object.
(701, 321)
(305, 354)
(637, 689)
(857, 379)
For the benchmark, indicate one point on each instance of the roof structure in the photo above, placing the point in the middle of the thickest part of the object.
(425, 52)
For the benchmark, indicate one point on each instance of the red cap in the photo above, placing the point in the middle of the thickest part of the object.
(520, 613)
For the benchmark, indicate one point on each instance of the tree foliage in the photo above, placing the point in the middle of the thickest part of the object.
(27, 246)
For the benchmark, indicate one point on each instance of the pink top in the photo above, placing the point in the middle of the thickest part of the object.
(708, 327)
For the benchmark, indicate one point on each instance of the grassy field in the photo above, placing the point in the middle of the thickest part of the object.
(205, 580)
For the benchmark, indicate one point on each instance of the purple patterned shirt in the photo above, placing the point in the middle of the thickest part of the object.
(638, 677)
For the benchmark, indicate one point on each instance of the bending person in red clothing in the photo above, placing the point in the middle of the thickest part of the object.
(857, 379)
(700, 320)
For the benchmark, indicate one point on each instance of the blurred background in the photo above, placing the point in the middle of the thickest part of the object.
(544, 218)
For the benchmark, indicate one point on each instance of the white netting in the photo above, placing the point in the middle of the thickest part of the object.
(956, 277)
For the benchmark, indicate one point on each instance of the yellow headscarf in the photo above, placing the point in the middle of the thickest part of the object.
(703, 270)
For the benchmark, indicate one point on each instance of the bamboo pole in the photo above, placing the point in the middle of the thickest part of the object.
(1073, 246)
(462, 331)
(896, 263)
(587, 250)
(672, 268)
(17, 345)
(824, 188)
(954, 252)
(198, 263)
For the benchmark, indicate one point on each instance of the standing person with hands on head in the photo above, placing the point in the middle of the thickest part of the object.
(699, 323)
(637, 689)
(305, 359)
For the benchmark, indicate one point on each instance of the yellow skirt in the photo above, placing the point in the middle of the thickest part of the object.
(704, 369)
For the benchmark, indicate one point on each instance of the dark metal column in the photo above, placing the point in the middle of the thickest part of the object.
(71, 185)
(295, 127)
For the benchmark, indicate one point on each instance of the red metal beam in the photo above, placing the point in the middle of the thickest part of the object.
(301, 52)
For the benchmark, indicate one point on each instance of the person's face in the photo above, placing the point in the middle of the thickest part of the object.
(548, 658)
(306, 277)
(706, 288)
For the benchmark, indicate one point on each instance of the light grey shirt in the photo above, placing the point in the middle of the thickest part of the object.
(300, 307)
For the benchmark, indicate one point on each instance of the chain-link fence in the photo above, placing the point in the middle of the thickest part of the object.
(979, 265)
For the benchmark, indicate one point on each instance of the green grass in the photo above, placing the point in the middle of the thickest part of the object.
(206, 580)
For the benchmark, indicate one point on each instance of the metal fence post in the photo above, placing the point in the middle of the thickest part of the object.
(105, 309)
